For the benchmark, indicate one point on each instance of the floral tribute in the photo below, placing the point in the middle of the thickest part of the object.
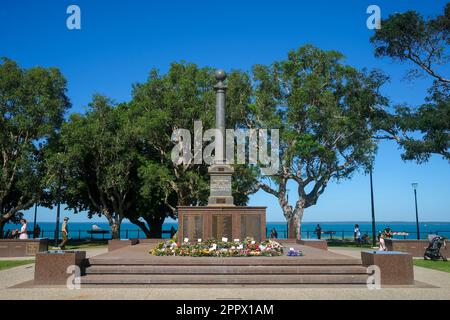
(216, 248)
(294, 253)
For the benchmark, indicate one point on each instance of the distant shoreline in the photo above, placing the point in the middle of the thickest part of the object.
(327, 222)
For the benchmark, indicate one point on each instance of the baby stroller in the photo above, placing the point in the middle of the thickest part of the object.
(432, 252)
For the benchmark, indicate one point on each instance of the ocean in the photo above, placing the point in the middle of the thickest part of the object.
(338, 230)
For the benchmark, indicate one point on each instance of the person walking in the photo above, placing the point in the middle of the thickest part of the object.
(23, 235)
(65, 233)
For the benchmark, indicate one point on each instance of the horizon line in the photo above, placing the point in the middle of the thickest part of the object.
(350, 221)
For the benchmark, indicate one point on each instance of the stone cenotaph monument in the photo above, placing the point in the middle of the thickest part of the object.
(221, 218)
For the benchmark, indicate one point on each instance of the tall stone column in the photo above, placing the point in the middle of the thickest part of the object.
(220, 172)
(220, 89)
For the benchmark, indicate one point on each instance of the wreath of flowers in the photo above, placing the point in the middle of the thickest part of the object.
(216, 248)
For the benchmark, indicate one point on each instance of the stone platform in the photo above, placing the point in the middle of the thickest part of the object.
(134, 265)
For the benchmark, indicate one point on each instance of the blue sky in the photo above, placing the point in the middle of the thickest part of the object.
(120, 41)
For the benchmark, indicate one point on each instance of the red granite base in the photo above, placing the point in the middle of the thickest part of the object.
(396, 267)
(134, 265)
(51, 268)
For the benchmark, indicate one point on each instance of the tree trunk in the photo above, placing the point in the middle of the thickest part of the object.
(141, 225)
(2, 221)
(156, 229)
(295, 220)
(115, 230)
(153, 228)
(2, 225)
(294, 228)
(155, 224)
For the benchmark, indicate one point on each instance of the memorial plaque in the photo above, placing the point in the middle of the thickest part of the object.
(220, 185)
(251, 226)
(32, 248)
(193, 227)
(221, 226)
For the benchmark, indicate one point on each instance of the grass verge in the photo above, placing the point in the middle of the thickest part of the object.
(436, 265)
(8, 264)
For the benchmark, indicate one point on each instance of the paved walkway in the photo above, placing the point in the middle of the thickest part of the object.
(432, 285)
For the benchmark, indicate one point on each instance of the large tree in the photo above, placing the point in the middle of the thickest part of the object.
(424, 43)
(32, 106)
(97, 162)
(322, 108)
(115, 161)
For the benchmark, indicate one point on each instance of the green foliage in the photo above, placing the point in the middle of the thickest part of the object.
(98, 161)
(409, 37)
(115, 160)
(32, 106)
(323, 110)
(174, 101)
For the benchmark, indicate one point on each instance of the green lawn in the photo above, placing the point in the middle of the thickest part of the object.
(7, 264)
(348, 244)
(437, 265)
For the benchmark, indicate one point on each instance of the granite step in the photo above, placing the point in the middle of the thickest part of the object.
(157, 269)
(210, 261)
(234, 279)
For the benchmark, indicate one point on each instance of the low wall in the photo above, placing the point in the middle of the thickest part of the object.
(415, 247)
(318, 244)
(22, 248)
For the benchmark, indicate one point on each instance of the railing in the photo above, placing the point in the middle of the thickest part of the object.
(349, 235)
(282, 234)
(86, 234)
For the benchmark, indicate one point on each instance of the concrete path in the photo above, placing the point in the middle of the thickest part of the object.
(432, 285)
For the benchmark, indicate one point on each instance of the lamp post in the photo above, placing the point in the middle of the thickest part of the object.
(414, 185)
(374, 241)
(58, 207)
(34, 224)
